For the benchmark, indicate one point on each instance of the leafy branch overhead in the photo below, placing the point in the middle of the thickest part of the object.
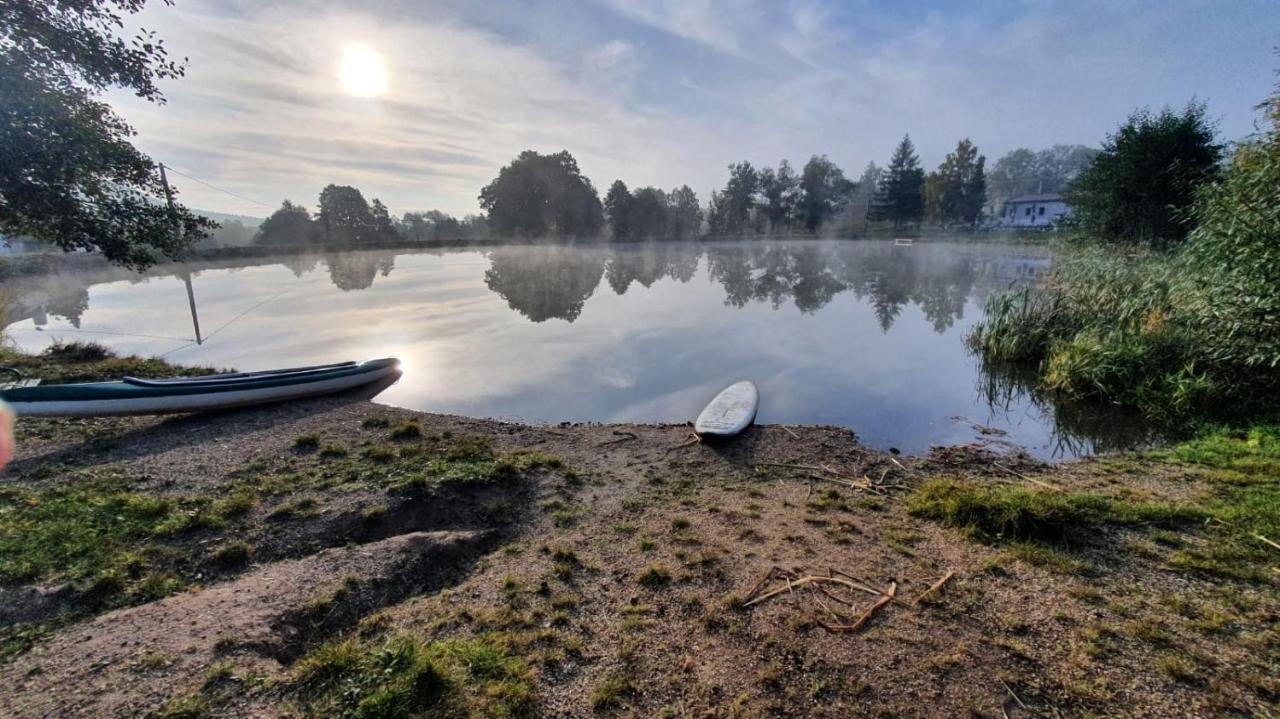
(70, 175)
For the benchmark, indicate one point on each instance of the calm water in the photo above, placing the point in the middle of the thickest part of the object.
(866, 335)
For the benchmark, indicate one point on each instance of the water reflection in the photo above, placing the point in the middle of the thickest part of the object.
(864, 334)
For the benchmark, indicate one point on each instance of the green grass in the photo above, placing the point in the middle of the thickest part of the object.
(613, 691)
(407, 677)
(993, 512)
(1243, 468)
(89, 362)
(90, 526)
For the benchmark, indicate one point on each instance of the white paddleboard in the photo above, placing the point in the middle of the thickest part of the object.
(732, 411)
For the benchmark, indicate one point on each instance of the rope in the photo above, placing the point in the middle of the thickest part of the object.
(219, 189)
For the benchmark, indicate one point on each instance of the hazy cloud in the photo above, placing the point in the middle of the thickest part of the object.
(664, 92)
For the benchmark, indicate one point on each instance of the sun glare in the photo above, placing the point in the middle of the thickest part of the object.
(362, 71)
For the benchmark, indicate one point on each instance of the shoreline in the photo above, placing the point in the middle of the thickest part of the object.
(611, 570)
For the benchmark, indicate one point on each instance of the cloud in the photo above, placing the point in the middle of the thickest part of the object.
(663, 92)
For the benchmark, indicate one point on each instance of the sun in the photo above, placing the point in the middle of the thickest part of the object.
(362, 71)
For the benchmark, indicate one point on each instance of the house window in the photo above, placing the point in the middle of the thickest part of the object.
(1027, 212)
(1042, 210)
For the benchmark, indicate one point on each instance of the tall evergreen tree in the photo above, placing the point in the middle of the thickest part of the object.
(902, 201)
(617, 209)
(740, 197)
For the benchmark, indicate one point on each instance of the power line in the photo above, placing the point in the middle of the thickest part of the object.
(219, 189)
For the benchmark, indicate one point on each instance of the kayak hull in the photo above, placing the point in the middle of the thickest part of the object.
(131, 397)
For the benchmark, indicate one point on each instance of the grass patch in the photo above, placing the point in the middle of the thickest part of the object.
(307, 442)
(67, 362)
(655, 576)
(232, 554)
(90, 526)
(407, 430)
(406, 677)
(613, 691)
(1017, 513)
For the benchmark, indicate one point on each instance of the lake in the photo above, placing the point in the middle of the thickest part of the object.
(861, 334)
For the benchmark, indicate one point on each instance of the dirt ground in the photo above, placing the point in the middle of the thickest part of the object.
(624, 570)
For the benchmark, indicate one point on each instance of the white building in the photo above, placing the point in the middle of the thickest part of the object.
(1034, 210)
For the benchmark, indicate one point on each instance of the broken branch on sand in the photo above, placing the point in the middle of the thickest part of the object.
(889, 595)
(623, 436)
(694, 439)
(933, 588)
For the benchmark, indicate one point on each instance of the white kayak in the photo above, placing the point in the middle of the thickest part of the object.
(732, 411)
(132, 395)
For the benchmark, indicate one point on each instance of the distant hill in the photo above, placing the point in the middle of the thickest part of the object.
(235, 230)
(223, 218)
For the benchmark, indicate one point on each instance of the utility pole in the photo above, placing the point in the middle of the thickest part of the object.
(186, 273)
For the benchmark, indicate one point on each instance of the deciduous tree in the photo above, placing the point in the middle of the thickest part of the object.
(69, 174)
(1139, 188)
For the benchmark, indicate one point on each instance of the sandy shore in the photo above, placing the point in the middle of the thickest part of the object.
(611, 569)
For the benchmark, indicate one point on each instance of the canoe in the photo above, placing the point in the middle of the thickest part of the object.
(732, 411)
(132, 395)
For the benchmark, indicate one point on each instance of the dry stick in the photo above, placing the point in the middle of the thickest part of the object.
(1032, 480)
(760, 584)
(866, 586)
(1015, 697)
(1268, 541)
(933, 587)
(629, 436)
(811, 579)
(793, 434)
(691, 441)
(866, 616)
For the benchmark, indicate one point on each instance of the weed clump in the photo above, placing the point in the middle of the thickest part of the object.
(655, 576)
(406, 676)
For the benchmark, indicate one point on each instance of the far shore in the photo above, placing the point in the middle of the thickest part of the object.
(53, 262)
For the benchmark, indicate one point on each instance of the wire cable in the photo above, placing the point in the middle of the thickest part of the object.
(219, 189)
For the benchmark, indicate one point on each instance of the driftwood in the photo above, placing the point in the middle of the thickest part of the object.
(933, 588)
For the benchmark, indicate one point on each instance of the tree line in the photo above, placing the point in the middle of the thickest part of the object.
(346, 218)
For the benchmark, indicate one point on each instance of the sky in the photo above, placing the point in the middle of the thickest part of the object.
(420, 103)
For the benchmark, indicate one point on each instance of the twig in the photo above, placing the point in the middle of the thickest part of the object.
(865, 586)
(1015, 697)
(866, 616)
(788, 429)
(629, 436)
(1268, 541)
(1032, 480)
(695, 439)
(763, 580)
(933, 588)
(784, 465)
(901, 466)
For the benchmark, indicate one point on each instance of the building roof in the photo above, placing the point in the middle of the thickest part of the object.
(1043, 197)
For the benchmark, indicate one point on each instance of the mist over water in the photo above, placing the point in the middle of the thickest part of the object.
(866, 335)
